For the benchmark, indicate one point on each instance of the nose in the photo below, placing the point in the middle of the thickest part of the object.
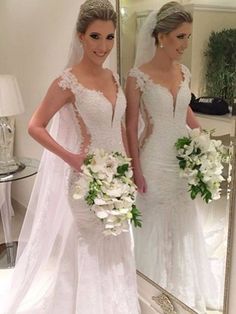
(185, 43)
(103, 45)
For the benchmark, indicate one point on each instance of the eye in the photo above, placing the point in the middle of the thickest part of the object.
(94, 36)
(181, 36)
(110, 36)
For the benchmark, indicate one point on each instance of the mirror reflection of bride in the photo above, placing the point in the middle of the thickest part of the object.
(170, 248)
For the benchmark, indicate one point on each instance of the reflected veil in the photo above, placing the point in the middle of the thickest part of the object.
(146, 43)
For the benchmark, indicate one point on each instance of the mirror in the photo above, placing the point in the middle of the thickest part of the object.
(187, 271)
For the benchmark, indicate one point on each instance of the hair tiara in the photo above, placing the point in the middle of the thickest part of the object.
(95, 4)
(168, 12)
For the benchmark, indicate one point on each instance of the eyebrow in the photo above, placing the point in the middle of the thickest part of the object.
(178, 34)
(101, 34)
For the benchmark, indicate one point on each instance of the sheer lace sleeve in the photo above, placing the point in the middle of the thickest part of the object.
(186, 73)
(141, 78)
(145, 124)
(69, 81)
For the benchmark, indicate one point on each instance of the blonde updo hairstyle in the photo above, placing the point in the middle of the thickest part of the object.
(92, 10)
(169, 17)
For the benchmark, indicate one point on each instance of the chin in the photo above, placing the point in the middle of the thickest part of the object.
(98, 61)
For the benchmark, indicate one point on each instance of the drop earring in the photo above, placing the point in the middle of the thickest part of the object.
(161, 45)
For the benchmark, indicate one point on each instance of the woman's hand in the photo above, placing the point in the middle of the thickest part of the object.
(140, 182)
(76, 160)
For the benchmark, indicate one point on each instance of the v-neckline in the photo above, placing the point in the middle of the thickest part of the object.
(174, 97)
(101, 93)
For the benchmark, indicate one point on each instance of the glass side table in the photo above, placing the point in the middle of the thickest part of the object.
(27, 167)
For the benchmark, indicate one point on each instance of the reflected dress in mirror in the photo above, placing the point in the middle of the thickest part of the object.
(170, 248)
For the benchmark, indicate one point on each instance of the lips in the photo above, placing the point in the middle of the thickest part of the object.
(101, 55)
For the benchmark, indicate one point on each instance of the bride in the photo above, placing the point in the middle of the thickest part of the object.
(64, 262)
(170, 247)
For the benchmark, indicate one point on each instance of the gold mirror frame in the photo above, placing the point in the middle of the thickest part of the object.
(165, 299)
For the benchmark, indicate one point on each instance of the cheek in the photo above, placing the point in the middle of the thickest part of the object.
(170, 46)
(173, 42)
(110, 44)
(89, 46)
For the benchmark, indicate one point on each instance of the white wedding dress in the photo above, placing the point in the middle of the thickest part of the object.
(83, 271)
(169, 248)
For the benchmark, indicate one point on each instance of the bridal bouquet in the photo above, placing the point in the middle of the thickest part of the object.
(200, 161)
(107, 187)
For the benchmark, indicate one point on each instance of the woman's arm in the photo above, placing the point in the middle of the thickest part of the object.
(132, 114)
(54, 100)
(191, 120)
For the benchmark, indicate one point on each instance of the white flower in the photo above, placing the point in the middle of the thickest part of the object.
(201, 163)
(115, 189)
(81, 187)
(203, 142)
(194, 133)
(100, 201)
(107, 187)
(101, 214)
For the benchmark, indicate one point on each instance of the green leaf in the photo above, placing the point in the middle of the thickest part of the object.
(121, 170)
(136, 214)
(181, 142)
(182, 164)
(87, 160)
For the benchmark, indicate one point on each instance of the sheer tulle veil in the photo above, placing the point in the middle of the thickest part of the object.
(144, 52)
(48, 234)
(146, 43)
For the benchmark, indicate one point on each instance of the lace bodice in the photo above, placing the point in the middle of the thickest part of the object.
(98, 119)
(164, 116)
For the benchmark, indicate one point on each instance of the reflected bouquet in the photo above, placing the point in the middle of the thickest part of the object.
(201, 162)
(107, 187)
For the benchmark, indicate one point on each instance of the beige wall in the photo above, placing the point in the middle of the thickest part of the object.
(34, 43)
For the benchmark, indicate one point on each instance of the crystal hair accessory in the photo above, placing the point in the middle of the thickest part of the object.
(164, 14)
(95, 4)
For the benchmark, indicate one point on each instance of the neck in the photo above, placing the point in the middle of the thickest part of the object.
(162, 61)
(90, 67)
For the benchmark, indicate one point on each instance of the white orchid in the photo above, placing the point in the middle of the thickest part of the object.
(200, 160)
(106, 185)
(81, 187)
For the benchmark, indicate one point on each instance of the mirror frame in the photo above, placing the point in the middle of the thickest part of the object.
(170, 302)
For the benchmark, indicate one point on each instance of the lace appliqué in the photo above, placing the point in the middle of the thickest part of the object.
(141, 78)
(148, 128)
(186, 74)
(141, 82)
(68, 81)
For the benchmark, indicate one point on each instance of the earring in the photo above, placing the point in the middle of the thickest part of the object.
(161, 45)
